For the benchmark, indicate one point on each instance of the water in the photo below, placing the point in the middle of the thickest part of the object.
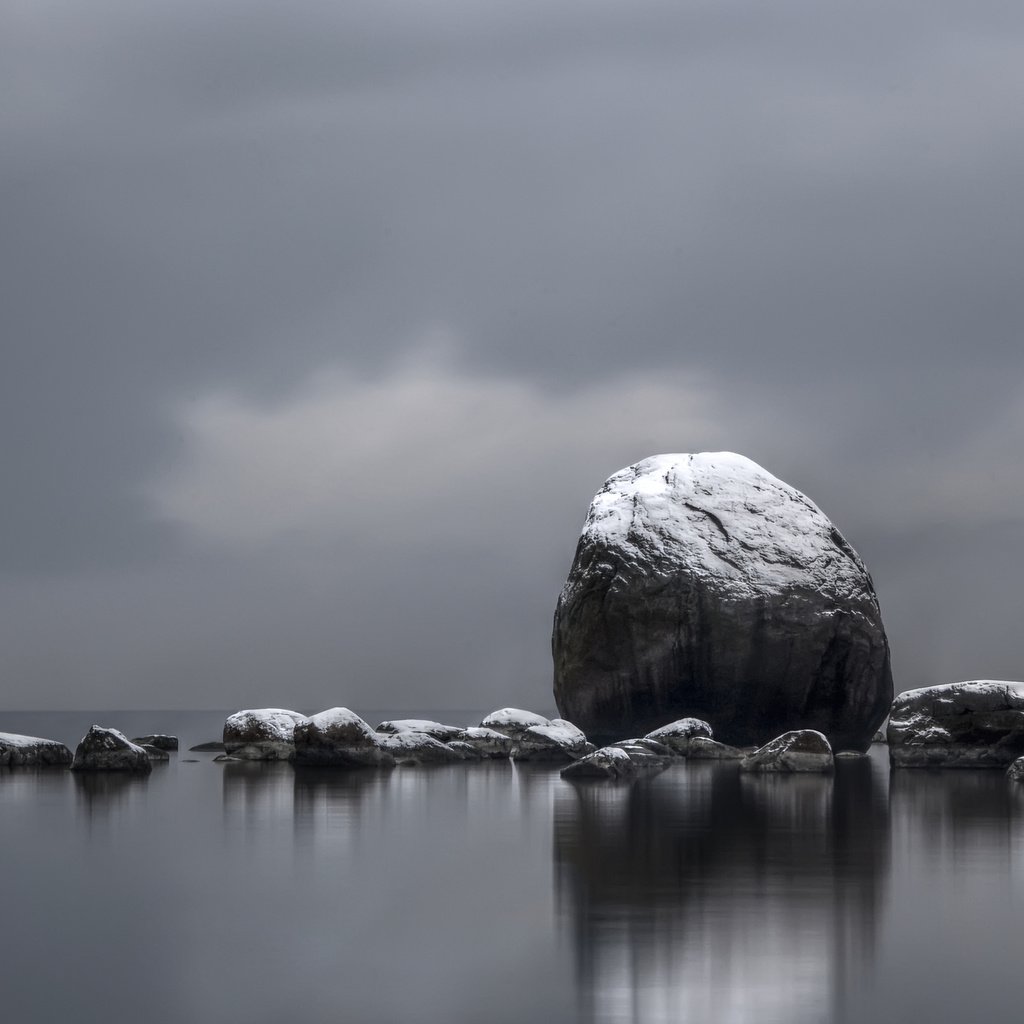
(494, 892)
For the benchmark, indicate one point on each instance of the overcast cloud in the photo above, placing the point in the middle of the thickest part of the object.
(323, 322)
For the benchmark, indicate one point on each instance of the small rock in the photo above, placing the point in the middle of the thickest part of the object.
(625, 760)
(488, 742)
(552, 742)
(262, 734)
(1015, 773)
(210, 745)
(161, 740)
(800, 750)
(417, 748)
(17, 751)
(107, 750)
(339, 738)
(679, 735)
(703, 749)
(154, 753)
(435, 730)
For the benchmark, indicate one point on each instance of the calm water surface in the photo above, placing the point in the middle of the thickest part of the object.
(494, 892)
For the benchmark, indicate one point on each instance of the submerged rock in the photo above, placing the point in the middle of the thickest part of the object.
(703, 749)
(800, 750)
(154, 753)
(159, 740)
(262, 734)
(339, 738)
(1015, 773)
(704, 586)
(627, 759)
(31, 751)
(974, 724)
(679, 735)
(108, 750)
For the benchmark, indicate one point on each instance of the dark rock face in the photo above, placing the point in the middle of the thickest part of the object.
(628, 759)
(679, 735)
(536, 738)
(31, 751)
(107, 750)
(341, 739)
(976, 724)
(1015, 773)
(703, 586)
(262, 734)
(802, 750)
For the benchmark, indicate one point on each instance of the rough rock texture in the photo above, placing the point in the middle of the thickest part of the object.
(209, 745)
(512, 722)
(261, 734)
(488, 742)
(154, 753)
(435, 730)
(703, 586)
(18, 751)
(627, 759)
(536, 738)
(339, 738)
(417, 748)
(679, 735)
(703, 749)
(107, 750)
(160, 740)
(1015, 773)
(801, 750)
(975, 724)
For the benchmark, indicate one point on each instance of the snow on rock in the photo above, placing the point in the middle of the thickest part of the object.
(261, 734)
(627, 759)
(974, 724)
(704, 586)
(678, 735)
(1015, 773)
(416, 748)
(536, 738)
(19, 751)
(488, 742)
(800, 750)
(159, 740)
(512, 721)
(436, 730)
(108, 750)
(340, 738)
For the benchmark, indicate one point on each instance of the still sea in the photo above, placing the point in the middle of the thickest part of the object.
(497, 892)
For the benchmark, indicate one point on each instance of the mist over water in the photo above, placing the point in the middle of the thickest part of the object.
(500, 892)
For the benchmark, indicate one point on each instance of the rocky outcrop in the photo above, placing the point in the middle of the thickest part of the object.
(154, 753)
(679, 735)
(159, 740)
(703, 586)
(435, 730)
(339, 738)
(262, 734)
(417, 748)
(31, 751)
(107, 750)
(703, 749)
(974, 724)
(1015, 773)
(535, 738)
(627, 759)
(801, 750)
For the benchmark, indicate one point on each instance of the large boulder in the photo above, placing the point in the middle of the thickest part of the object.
(108, 750)
(339, 738)
(536, 738)
(261, 734)
(975, 724)
(705, 587)
(18, 751)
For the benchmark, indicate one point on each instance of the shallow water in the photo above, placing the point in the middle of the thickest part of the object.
(495, 892)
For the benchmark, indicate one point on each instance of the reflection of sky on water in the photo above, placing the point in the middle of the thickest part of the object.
(704, 895)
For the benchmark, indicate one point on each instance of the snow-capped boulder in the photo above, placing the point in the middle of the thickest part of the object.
(261, 734)
(801, 750)
(704, 586)
(154, 753)
(557, 741)
(974, 724)
(679, 735)
(487, 742)
(416, 748)
(340, 738)
(19, 751)
(626, 759)
(1015, 773)
(512, 722)
(435, 730)
(160, 740)
(108, 750)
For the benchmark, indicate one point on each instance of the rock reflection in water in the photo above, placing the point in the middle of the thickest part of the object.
(707, 895)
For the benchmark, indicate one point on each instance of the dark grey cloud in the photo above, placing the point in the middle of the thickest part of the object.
(806, 214)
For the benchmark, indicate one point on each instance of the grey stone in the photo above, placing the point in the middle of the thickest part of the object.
(108, 750)
(536, 738)
(680, 734)
(1015, 773)
(154, 753)
(417, 748)
(209, 745)
(627, 759)
(703, 749)
(800, 750)
(436, 730)
(488, 742)
(31, 751)
(161, 740)
(339, 738)
(973, 724)
(703, 586)
(261, 734)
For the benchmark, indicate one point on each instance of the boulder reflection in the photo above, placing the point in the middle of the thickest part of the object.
(708, 895)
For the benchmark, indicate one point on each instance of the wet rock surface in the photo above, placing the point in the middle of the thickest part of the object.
(17, 751)
(108, 750)
(973, 724)
(800, 750)
(704, 586)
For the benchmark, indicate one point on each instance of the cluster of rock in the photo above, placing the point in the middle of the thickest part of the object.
(100, 749)
(30, 751)
(338, 737)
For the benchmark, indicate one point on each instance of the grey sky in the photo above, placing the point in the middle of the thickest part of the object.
(323, 322)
